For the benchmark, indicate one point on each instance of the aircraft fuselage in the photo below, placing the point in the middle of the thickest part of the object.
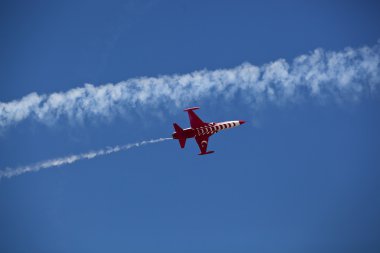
(209, 129)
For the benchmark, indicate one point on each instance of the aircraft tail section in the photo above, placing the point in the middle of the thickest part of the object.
(178, 129)
(180, 135)
(182, 142)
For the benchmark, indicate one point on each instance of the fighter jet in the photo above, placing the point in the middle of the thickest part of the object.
(200, 130)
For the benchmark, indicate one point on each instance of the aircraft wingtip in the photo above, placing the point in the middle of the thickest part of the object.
(191, 109)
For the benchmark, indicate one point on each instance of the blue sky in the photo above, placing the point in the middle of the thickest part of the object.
(298, 177)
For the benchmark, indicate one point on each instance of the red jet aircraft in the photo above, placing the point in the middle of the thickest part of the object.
(201, 130)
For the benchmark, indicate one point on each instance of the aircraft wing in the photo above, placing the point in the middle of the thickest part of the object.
(202, 142)
(195, 121)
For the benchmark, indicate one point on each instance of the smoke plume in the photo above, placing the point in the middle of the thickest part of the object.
(11, 172)
(345, 75)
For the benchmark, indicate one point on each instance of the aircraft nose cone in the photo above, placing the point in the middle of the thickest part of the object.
(241, 122)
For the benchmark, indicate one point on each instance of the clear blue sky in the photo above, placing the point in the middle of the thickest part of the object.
(296, 178)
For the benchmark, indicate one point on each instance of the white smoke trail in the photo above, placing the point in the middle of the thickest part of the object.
(348, 74)
(11, 172)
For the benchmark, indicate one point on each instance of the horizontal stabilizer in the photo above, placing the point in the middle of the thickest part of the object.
(182, 142)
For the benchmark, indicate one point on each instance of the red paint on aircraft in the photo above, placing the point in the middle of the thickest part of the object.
(200, 130)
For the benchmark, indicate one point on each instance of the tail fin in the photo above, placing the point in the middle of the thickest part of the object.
(178, 129)
(180, 134)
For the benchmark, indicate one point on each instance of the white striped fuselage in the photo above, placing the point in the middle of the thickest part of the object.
(215, 127)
